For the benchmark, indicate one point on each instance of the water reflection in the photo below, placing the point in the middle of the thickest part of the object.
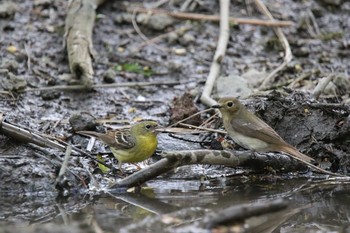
(323, 206)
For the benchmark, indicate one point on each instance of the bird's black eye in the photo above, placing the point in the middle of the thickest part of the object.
(148, 126)
(229, 104)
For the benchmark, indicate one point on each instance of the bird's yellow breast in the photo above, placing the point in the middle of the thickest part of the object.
(144, 148)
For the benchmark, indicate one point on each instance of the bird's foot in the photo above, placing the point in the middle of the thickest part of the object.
(137, 166)
(254, 154)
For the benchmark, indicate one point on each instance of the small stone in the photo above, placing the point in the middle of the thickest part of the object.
(254, 77)
(50, 95)
(301, 52)
(10, 65)
(13, 82)
(43, 3)
(186, 39)
(109, 75)
(232, 85)
(7, 9)
(181, 51)
(172, 37)
(159, 22)
(82, 121)
(11, 49)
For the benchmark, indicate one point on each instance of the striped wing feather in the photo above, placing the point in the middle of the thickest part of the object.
(123, 139)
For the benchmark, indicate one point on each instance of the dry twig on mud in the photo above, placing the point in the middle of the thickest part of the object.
(219, 53)
(42, 140)
(322, 84)
(187, 118)
(65, 163)
(108, 85)
(173, 159)
(216, 18)
(287, 53)
(204, 128)
(160, 37)
(78, 38)
(27, 136)
(298, 79)
(143, 36)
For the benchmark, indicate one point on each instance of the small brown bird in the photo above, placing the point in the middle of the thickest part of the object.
(251, 132)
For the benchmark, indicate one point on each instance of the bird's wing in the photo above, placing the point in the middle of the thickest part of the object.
(256, 128)
(119, 139)
(123, 139)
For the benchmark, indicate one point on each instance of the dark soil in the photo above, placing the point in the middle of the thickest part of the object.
(32, 55)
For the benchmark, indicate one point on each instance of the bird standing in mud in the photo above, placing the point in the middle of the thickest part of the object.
(131, 145)
(252, 133)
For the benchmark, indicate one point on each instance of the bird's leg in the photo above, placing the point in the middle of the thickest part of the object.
(120, 167)
(137, 166)
(253, 154)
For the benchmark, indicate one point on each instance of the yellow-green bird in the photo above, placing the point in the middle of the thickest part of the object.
(130, 145)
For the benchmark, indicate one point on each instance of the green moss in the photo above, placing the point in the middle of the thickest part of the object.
(328, 36)
(134, 68)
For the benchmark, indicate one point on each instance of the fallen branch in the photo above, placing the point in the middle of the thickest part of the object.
(219, 53)
(24, 135)
(141, 200)
(28, 136)
(242, 212)
(216, 18)
(78, 38)
(173, 159)
(287, 51)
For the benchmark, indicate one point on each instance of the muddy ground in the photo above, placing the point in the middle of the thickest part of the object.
(33, 56)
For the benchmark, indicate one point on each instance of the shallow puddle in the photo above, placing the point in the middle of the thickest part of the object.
(314, 206)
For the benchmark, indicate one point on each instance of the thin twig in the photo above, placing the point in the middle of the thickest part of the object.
(287, 53)
(322, 84)
(205, 129)
(110, 85)
(27, 49)
(160, 37)
(300, 78)
(219, 53)
(207, 121)
(216, 18)
(314, 22)
(193, 115)
(5, 93)
(65, 162)
(181, 130)
(143, 36)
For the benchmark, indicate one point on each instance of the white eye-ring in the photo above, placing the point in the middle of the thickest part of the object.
(229, 104)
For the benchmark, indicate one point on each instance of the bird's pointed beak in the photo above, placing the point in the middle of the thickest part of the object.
(158, 130)
(217, 106)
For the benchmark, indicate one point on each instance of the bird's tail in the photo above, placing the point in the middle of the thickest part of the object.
(90, 133)
(296, 153)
